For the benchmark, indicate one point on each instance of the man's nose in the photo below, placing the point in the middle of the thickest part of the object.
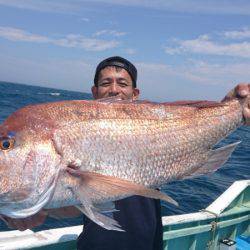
(114, 90)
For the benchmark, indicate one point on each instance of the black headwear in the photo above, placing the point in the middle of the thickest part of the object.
(119, 62)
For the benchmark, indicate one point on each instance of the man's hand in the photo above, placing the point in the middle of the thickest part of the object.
(242, 90)
(25, 223)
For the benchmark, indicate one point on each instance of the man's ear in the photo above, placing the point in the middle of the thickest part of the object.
(136, 93)
(94, 92)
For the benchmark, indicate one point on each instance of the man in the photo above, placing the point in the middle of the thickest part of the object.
(139, 216)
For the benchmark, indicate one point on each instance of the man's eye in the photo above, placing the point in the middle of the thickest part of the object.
(123, 84)
(103, 84)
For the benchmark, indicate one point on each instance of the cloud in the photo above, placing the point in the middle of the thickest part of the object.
(42, 5)
(184, 6)
(188, 6)
(69, 41)
(206, 73)
(204, 45)
(89, 44)
(109, 32)
(130, 51)
(158, 68)
(84, 19)
(13, 34)
(237, 34)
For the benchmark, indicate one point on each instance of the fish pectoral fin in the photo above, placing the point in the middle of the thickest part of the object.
(94, 211)
(106, 207)
(216, 159)
(109, 186)
(100, 219)
(94, 186)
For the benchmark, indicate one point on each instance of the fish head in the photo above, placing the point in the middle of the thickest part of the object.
(28, 163)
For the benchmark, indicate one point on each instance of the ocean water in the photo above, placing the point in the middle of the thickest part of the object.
(192, 195)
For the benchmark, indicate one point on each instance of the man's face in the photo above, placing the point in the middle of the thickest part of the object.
(113, 82)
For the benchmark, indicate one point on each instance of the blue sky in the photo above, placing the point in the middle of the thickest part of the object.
(183, 49)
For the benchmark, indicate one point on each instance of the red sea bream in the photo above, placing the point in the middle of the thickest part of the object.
(115, 148)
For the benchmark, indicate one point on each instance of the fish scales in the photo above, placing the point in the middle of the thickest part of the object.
(144, 144)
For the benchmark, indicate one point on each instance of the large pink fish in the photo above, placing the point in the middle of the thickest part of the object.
(118, 148)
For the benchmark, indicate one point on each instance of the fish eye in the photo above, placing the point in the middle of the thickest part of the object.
(6, 143)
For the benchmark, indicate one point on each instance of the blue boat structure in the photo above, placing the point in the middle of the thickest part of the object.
(225, 224)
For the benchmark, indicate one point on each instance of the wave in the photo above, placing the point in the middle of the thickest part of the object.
(50, 93)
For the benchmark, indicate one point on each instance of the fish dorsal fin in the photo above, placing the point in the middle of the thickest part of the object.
(110, 99)
(94, 186)
(216, 159)
(207, 104)
(114, 99)
(118, 99)
(197, 104)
